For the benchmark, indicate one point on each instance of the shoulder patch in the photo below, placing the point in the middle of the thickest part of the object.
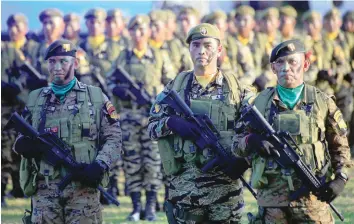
(111, 110)
(338, 118)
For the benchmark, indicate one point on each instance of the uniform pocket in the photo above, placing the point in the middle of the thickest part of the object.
(167, 152)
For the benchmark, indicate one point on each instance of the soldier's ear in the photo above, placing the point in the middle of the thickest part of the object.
(273, 69)
(220, 49)
(306, 64)
(76, 63)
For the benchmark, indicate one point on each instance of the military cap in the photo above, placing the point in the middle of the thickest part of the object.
(71, 17)
(158, 15)
(310, 16)
(189, 10)
(271, 11)
(332, 13)
(203, 30)
(61, 47)
(287, 48)
(16, 18)
(212, 17)
(245, 10)
(114, 13)
(170, 14)
(288, 11)
(349, 15)
(138, 20)
(97, 13)
(50, 13)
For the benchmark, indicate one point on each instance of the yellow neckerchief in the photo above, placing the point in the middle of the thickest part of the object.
(271, 39)
(96, 41)
(243, 40)
(332, 35)
(117, 38)
(155, 44)
(19, 44)
(139, 54)
(204, 80)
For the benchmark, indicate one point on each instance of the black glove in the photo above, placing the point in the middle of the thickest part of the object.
(90, 175)
(183, 128)
(349, 78)
(9, 89)
(325, 75)
(240, 165)
(28, 147)
(331, 190)
(122, 92)
(259, 144)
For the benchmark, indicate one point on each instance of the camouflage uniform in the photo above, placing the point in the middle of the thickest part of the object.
(322, 141)
(121, 41)
(13, 56)
(289, 13)
(141, 160)
(200, 197)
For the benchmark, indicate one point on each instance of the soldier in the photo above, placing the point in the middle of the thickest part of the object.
(14, 95)
(198, 197)
(231, 27)
(53, 28)
(251, 45)
(348, 21)
(322, 139)
(340, 62)
(101, 54)
(141, 160)
(72, 28)
(269, 24)
(158, 19)
(227, 62)
(288, 22)
(114, 28)
(95, 138)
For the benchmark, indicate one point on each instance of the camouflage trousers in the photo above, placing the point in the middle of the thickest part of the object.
(72, 205)
(306, 210)
(210, 197)
(141, 158)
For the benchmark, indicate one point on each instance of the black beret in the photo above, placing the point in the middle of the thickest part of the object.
(287, 48)
(61, 47)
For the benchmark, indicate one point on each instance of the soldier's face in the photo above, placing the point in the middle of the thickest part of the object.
(270, 25)
(114, 27)
(187, 21)
(171, 25)
(313, 27)
(290, 69)
(140, 34)
(72, 29)
(349, 25)
(205, 52)
(95, 26)
(53, 28)
(158, 31)
(17, 31)
(221, 24)
(61, 69)
(332, 24)
(287, 24)
(244, 24)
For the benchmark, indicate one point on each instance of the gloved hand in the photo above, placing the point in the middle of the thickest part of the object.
(90, 175)
(259, 144)
(239, 167)
(331, 190)
(183, 128)
(122, 92)
(28, 147)
(328, 76)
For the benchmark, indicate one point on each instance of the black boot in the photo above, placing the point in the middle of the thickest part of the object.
(16, 191)
(150, 212)
(3, 188)
(157, 206)
(135, 214)
(166, 197)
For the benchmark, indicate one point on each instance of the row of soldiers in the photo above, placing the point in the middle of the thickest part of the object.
(154, 45)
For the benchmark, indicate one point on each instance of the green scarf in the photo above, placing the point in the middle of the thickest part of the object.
(60, 91)
(289, 96)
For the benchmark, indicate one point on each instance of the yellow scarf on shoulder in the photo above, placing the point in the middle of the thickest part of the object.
(332, 35)
(96, 41)
(155, 44)
(243, 40)
(19, 44)
(139, 54)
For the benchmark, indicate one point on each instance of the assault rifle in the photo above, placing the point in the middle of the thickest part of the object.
(287, 156)
(55, 151)
(208, 139)
(136, 93)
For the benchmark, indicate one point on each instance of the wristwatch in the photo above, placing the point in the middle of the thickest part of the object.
(342, 176)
